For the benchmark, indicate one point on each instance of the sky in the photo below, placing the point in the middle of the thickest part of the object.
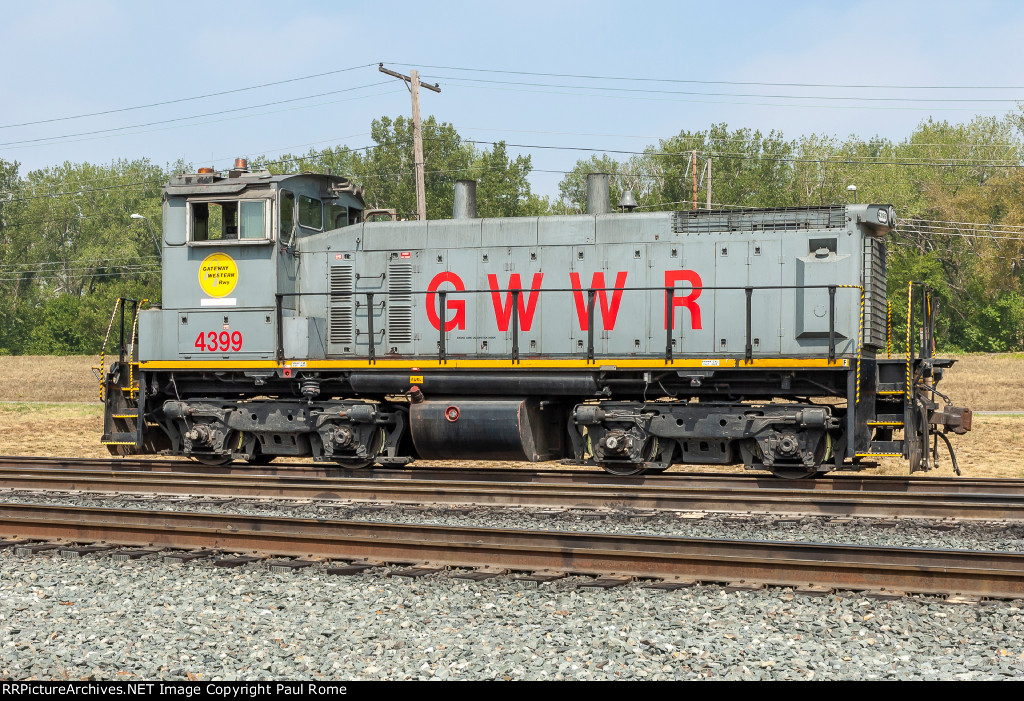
(658, 67)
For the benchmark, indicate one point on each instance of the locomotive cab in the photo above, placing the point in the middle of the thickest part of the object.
(231, 262)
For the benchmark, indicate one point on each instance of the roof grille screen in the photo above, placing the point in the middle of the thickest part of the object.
(786, 219)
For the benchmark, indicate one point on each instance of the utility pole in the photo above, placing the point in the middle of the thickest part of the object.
(693, 167)
(412, 81)
(709, 182)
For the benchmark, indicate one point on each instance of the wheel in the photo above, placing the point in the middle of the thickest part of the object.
(622, 469)
(353, 464)
(793, 472)
(377, 442)
(213, 460)
(625, 469)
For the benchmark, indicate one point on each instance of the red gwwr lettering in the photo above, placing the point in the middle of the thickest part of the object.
(503, 312)
(456, 305)
(673, 278)
(608, 304)
(609, 311)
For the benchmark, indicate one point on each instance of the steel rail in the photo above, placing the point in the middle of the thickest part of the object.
(974, 573)
(841, 482)
(734, 496)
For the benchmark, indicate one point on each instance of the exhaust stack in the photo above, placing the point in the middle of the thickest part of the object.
(465, 200)
(598, 199)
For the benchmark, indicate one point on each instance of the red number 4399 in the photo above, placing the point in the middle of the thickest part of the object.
(211, 341)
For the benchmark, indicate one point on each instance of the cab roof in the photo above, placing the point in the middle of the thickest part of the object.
(235, 181)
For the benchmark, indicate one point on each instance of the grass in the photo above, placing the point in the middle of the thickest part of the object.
(986, 382)
(71, 425)
(44, 378)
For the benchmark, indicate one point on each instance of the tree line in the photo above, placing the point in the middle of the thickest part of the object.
(69, 247)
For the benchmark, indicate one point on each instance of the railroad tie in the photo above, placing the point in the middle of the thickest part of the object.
(23, 550)
(289, 565)
(540, 577)
(79, 551)
(348, 570)
(236, 561)
(126, 555)
(415, 572)
(181, 557)
(603, 583)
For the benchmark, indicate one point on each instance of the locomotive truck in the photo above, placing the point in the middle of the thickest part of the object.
(295, 323)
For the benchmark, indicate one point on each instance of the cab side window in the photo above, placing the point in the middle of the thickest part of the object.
(250, 219)
(337, 216)
(215, 221)
(287, 215)
(311, 213)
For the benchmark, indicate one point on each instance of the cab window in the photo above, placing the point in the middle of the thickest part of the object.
(337, 216)
(250, 220)
(311, 213)
(231, 220)
(214, 221)
(287, 214)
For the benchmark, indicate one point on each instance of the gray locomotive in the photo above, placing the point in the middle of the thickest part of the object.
(294, 325)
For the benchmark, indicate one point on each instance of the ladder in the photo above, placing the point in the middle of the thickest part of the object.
(121, 387)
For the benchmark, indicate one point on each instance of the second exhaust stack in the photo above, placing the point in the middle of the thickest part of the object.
(598, 199)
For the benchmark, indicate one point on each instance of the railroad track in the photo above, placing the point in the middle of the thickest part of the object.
(885, 497)
(679, 560)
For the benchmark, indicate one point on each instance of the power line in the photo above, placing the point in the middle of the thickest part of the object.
(455, 83)
(185, 99)
(848, 98)
(196, 116)
(760, 157)
(212, 121)
(720, 82)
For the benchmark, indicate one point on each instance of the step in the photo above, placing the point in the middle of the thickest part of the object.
(889, 418)
(120, 438)
(124, 416)
(891, 449)
(891, 388)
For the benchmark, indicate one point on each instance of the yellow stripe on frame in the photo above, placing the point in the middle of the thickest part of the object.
(502, 363)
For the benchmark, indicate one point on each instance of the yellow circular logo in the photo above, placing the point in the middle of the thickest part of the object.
(218, 275)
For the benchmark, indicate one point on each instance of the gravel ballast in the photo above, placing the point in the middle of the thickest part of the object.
(94, 617)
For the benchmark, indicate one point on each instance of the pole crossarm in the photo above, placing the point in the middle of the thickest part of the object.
(436, 87)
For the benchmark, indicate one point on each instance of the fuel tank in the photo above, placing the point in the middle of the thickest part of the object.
(456, 428)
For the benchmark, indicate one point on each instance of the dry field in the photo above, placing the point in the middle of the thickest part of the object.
(69, 423)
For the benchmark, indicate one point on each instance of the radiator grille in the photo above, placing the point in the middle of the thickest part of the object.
(399, 303)
(342, 283)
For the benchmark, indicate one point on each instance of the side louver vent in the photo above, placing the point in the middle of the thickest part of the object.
(342, 283)
(875, 273)
(399, 303)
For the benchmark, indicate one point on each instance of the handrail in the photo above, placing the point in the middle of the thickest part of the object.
(669, 290)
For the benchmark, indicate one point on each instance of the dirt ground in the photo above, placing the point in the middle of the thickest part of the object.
(69, 423)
